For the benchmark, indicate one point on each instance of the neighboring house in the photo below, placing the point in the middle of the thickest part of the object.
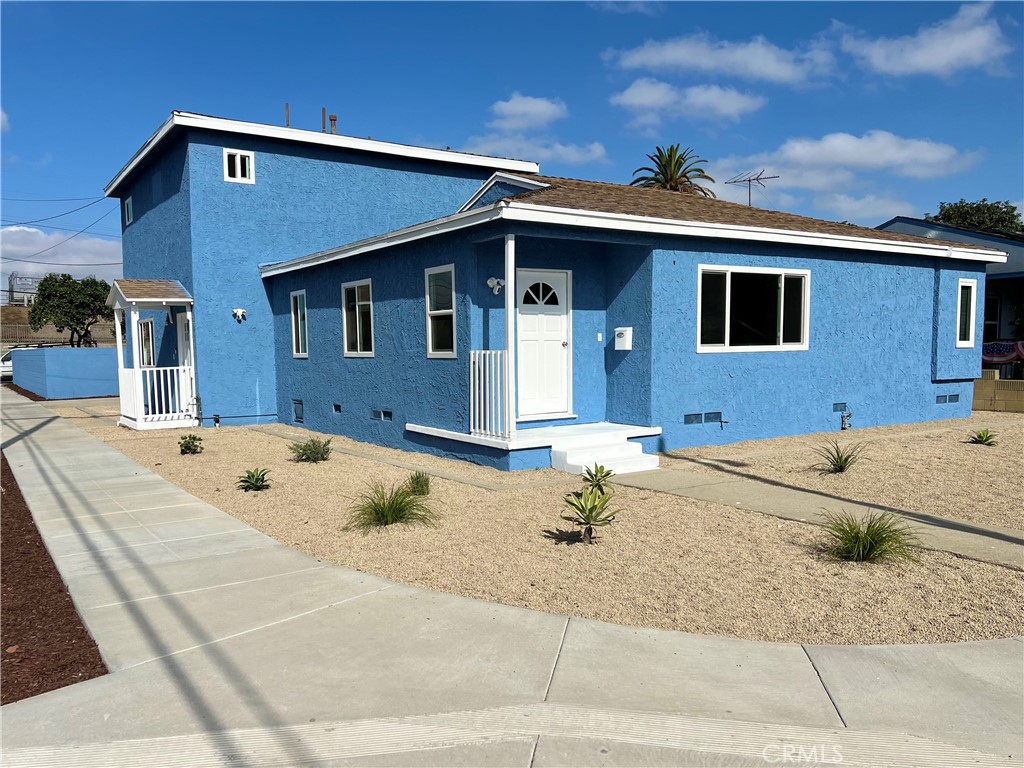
(469, 307)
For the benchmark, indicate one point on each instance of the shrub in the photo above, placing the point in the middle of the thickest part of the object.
(313, 450)
(597, 478)
(190, 444)
(419, 483)
(254, 480)
(589, 510)
(381, 506)
(838, 458)
(982, 437)
(879, 537)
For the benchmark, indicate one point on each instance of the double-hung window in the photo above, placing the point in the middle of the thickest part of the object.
(239, 166)
(966, 308)
(752, 309)
(146, 350)
(357, 305)
(299, 347)
(441, 311)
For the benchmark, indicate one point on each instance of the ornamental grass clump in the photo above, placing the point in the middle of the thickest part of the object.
(190, 444)
(313, 450)
(837, 458)
(878, 537)
(254, 480)
(982, 437)
(419, 483)
(381, 506)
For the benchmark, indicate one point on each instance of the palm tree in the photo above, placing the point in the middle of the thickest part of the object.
(674, 171)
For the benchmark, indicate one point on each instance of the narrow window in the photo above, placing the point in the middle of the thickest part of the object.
(146, 351)
(128, 217)
(992, 311)
(748, 309)
(357, 301)
(441, 311)
(239, 166)
(299, 348)
(965, 312)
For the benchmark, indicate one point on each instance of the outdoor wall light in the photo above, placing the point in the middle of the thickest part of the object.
(238, 313)
(495, 284)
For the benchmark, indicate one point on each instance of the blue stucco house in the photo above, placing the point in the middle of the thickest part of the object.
(468, 306)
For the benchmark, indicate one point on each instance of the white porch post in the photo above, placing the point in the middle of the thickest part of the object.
(118, 317)
(510, 334)
(193, 393)
(139, 410)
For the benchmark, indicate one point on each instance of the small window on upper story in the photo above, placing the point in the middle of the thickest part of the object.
(357, 307)
(239, 166)
(441, 311)
(966, 306)
(128, 217)
(299, 347)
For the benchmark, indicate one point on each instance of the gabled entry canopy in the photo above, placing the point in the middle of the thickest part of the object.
(147, 294)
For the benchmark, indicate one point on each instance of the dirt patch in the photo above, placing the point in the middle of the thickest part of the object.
(40, 399)
(929, 467)
(667, 562)
(43, 644)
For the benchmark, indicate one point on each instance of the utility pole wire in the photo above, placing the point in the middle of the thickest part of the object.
(59, 215)
(28, 259)
(48, 199)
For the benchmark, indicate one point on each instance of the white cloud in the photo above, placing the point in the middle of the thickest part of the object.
(969, 39)
(757, 59)
(538, 149)
(524, 113)
(80, 257)
(5, 124)
(652, 100)
(874, 208)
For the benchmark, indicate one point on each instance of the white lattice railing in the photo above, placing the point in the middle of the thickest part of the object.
(151, 395)
(487, 397)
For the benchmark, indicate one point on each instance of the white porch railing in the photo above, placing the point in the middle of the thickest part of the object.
(487, 397)
(157, 396)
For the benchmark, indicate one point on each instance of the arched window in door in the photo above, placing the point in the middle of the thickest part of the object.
(541, 293)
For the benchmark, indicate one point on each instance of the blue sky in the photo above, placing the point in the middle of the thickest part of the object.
(865, 110)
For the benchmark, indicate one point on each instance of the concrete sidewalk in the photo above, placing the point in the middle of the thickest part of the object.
(227, 648)
(993, 544)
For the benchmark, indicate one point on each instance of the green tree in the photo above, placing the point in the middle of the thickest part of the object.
(670, 169)
(75, 305)
(1000, 216)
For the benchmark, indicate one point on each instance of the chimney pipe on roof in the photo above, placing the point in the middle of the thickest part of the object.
(334, 123)
(287, 117)
(323, 120)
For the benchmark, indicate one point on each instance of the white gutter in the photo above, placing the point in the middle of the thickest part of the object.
(571, 217)
(192, 120)
(507, 178)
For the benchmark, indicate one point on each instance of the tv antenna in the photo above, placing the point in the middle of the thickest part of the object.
(750, 179)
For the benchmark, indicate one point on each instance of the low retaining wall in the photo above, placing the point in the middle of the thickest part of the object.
(58, 373)
(993, 394)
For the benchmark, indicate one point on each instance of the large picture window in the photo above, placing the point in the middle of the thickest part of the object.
(441, 311)
(752, 309)
(299, 345)
(966, 306)
(357, 303)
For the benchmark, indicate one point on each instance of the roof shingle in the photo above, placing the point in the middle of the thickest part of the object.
(164, 290)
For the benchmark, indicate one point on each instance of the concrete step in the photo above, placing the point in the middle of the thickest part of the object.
(596, 454)
(622, 466)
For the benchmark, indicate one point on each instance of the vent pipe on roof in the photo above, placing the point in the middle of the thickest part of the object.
(287, 117)
(323, 119)
(334, 123)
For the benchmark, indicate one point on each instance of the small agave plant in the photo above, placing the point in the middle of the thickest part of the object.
(589, 509)
(598, 478)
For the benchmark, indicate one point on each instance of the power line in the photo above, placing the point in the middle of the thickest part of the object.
(66, 229)
(28, 259)
(59, 215)
(48, 199)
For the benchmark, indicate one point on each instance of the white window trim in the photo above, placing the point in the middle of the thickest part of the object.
(728, 270)
(295, 321)
(426, 295)
(344, 320)
(962, 344)
(252, 166)
(128, 213)
(144, 347)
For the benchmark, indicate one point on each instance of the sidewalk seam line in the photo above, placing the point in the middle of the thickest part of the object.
(823, 686)
(558, 655)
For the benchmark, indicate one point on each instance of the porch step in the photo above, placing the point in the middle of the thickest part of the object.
(612, 452)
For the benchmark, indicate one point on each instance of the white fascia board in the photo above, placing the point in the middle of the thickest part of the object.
(574, 217)
(191, 120)
(507, 178)
(398, 237)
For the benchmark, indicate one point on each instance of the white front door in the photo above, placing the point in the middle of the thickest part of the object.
(186, 371)
(545, 344)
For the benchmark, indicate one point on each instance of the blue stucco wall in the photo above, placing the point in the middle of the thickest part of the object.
(305, 199)
(64, 372)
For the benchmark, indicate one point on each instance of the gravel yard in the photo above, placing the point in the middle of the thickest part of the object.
(667, 562)
(927, 467)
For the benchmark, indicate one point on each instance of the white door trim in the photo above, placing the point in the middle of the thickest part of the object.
(520, 283)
